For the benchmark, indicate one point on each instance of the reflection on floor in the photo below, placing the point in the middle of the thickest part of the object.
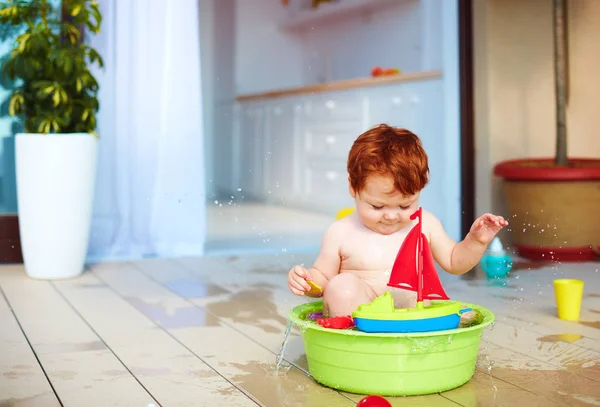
(262, 228)
(206, 332)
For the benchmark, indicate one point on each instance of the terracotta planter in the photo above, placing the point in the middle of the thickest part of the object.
(554, 211)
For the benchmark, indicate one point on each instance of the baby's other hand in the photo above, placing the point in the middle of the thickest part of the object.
(297, 280)
(486, 227)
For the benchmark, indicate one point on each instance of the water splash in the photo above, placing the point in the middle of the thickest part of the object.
(279, 357)
(489, 363)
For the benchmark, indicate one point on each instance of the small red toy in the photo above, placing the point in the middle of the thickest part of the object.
(373, 401)
(345, 322)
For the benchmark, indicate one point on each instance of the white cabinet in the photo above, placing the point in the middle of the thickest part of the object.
(293, 150)
(330, 123)
(390, 106)
(248, 156)
(280, 162)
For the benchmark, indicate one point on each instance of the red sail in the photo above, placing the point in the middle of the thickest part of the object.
(405, 271)
(432, 286)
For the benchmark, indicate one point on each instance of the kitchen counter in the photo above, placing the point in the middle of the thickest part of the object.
(340, 85)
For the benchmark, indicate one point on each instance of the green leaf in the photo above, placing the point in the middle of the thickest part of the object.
(68, 65)
(56, 98)
(74, 34)
(16, 102)
(44, 125)
(63, 96)
(76, 10)
(85, 114)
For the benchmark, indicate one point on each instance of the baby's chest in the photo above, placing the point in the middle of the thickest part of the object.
(371, 254)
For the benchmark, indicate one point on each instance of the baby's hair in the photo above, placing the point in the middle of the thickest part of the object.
(389, 151)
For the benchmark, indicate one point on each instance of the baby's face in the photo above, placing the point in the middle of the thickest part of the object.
(381, 211)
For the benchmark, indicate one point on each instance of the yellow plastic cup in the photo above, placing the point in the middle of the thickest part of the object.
(342, 213)
(569, 293)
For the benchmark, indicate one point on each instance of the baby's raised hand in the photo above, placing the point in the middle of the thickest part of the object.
(486, 227)
(297, 280)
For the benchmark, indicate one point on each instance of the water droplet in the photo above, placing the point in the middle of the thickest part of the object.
(239, 189)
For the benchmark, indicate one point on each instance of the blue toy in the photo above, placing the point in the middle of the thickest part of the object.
(496, 263)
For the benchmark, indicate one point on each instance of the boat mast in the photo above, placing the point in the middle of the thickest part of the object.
(419, 262)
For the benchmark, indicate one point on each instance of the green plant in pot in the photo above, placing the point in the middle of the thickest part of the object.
(556, 199)
(54, 99)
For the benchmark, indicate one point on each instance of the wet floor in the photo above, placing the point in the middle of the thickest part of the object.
(208, 331)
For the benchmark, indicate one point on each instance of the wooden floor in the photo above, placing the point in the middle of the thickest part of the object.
(206, 332)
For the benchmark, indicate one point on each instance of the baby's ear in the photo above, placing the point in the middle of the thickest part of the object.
(351, 190)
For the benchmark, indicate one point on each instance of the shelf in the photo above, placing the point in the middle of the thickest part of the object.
(341, 85)
(329, 11)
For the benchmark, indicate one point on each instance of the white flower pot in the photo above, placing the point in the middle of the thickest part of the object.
(55, 187)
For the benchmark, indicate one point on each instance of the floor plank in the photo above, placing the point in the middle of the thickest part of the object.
(486, 390)
(230, 352)
(22, 380)
(555, 383)
(169, 371)
(535, 312)
(549, 343)
(82, 370)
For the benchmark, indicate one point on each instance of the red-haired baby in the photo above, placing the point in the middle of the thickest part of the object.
(387, 169)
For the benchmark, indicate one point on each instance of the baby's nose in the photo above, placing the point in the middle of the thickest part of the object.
(390, 214)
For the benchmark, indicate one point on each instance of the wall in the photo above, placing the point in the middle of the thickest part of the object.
(217, 46)
(348, 48)
(514, 86)
(267, 57)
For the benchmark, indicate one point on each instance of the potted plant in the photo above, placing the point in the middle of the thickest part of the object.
(554, 201)
(55, 101)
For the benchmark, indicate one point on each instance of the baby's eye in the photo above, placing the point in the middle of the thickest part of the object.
(377, 207)
(404, 207)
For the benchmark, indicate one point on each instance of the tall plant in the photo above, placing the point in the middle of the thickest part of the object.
(55, 91)
(560, 81)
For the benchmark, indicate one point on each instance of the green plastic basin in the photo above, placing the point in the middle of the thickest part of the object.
(389, 364)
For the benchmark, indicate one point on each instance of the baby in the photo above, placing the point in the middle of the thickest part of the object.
(387, 169)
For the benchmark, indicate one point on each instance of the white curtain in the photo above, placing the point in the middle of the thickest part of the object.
(150, 184)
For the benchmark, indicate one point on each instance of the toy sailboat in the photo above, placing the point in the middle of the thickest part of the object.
(414, 270)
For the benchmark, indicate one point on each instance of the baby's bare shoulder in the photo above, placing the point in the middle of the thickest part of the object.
(342, 229)
(430, 222)
(349, 224)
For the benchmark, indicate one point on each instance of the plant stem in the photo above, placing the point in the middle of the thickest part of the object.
(560, 70)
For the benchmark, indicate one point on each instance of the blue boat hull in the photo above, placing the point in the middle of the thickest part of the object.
(406, 326)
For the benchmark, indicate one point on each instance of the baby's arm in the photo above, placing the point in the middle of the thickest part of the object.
(458, 258)
(326, 266)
